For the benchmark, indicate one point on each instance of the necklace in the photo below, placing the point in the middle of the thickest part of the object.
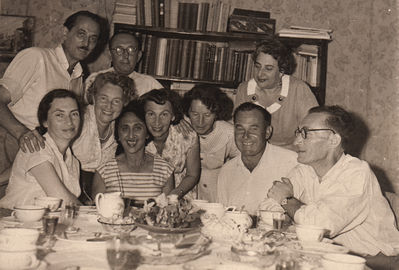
(106, 135)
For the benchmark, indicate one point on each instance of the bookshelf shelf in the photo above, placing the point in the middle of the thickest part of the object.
(220, 58)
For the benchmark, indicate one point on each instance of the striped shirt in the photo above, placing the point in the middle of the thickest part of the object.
(139, 186)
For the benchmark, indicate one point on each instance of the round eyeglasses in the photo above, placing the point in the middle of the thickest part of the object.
(128, 50)
(304, 131)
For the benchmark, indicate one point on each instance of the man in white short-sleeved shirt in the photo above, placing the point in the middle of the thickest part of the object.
(244, 180)
(36, 71)
(334, 190)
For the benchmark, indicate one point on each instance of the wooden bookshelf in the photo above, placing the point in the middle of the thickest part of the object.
(226, 65)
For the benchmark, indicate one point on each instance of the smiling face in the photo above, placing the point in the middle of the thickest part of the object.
(63, 119)
(266, 71)
(108, 103)
(125, 63)
(81, 39)
(251, 133)
(158, 118)
(202, 119)
(314, 149)
(132, 133)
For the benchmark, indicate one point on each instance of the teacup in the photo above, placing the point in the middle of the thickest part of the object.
(28, 213)
(109, 204)
(18, 259)
(52, 203)
(18, 239)
(309, 233)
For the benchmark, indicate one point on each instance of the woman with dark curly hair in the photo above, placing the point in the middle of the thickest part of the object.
(96, 143)
(285, 97)
(163, 112)
(209, 109)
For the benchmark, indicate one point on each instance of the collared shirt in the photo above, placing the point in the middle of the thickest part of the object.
(33, 73)
(287, 111)
(143, 83)
(348, 202)
(88, 149)
(237, 186)
(216, 148)
(23, 186)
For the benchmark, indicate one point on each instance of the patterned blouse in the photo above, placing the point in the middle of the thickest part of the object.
(140, 186)
(175, 151)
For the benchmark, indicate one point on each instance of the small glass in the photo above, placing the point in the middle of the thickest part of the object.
(117, 252)
(278, 220)
(285, 261)
(68, 216)
(49, 224)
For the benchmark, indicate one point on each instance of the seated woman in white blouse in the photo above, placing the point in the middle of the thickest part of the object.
(52, 171)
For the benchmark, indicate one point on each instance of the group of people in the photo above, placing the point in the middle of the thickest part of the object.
(133, 136)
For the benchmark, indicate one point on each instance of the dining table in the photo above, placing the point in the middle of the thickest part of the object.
(77, 253)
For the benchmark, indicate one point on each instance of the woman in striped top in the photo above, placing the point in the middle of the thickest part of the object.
(135, 173)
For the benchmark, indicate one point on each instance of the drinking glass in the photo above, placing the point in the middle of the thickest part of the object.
(117, 252)
(49, 224)
(68, 216)
(278, 219)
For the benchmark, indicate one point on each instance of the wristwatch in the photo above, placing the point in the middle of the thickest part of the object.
(285, 201)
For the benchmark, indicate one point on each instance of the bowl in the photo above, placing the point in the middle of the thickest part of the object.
(309, 233)
(52, 203)
(117, 227)
(342, 262)
(199, 203)
(28, 213)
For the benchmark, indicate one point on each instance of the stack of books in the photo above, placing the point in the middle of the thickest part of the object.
(305, 32)
(308, 64)
(125, 12)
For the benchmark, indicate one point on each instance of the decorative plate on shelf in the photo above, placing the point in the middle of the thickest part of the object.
(157, 229)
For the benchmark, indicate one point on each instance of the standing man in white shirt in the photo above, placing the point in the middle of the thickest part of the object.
(36, 71)
(334, 190)
(245, 179)
(125, 50)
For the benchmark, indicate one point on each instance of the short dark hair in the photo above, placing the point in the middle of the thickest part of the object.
(249, 106)
(136, 107)
(45, 105)
(136, 37)
(339, 120)
(161, 96)
(124, 82)
(280, 52)
(213, 98)
(70, 22)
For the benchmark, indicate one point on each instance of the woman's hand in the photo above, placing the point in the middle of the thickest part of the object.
(31, 141)
(281, 190)
(184, 128)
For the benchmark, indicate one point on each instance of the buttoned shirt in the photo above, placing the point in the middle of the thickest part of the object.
(23, 186)
(237, 186)
(143, 83)
(348, 202)
(32, 74)
(88, 148)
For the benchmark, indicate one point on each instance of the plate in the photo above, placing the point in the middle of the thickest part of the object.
(319, 248)
(156, 229)
(11, 220)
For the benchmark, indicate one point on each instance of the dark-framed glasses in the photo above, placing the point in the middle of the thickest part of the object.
(304, 131)
(128, 50)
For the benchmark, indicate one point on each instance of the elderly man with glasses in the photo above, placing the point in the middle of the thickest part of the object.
(125, 50)
(334, 190)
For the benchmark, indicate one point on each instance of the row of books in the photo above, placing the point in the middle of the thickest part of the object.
(186, 15)
(190, 59)
(305, 32)
(308, 64)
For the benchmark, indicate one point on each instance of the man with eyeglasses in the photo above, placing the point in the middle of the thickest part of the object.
(34, 72)
(334, 190)
(125, 50)
(244, 180)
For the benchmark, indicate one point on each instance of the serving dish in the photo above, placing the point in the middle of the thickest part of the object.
(157, 229)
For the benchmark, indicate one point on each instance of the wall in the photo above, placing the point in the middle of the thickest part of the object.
(362, 62)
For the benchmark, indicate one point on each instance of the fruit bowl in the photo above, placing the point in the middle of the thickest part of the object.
(118, 226)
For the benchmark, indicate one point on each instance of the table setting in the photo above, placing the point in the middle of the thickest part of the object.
(165, 233)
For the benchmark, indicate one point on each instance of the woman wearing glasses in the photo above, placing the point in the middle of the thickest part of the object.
(286, 98)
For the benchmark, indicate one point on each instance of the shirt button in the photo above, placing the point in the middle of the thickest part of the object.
(205, 185)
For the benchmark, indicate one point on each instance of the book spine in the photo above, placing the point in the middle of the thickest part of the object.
(167, 13)
(174, 9)
(197, 60)
(147, 12)
(152, 55)
(140, 12)
(193, 16)
(191, 59)
(146, 56)
(180, 15)
(183, 63)
(161, 57)
(161, 13)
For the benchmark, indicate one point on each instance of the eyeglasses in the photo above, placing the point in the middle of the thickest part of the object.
(304, 131)
(129, 50)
